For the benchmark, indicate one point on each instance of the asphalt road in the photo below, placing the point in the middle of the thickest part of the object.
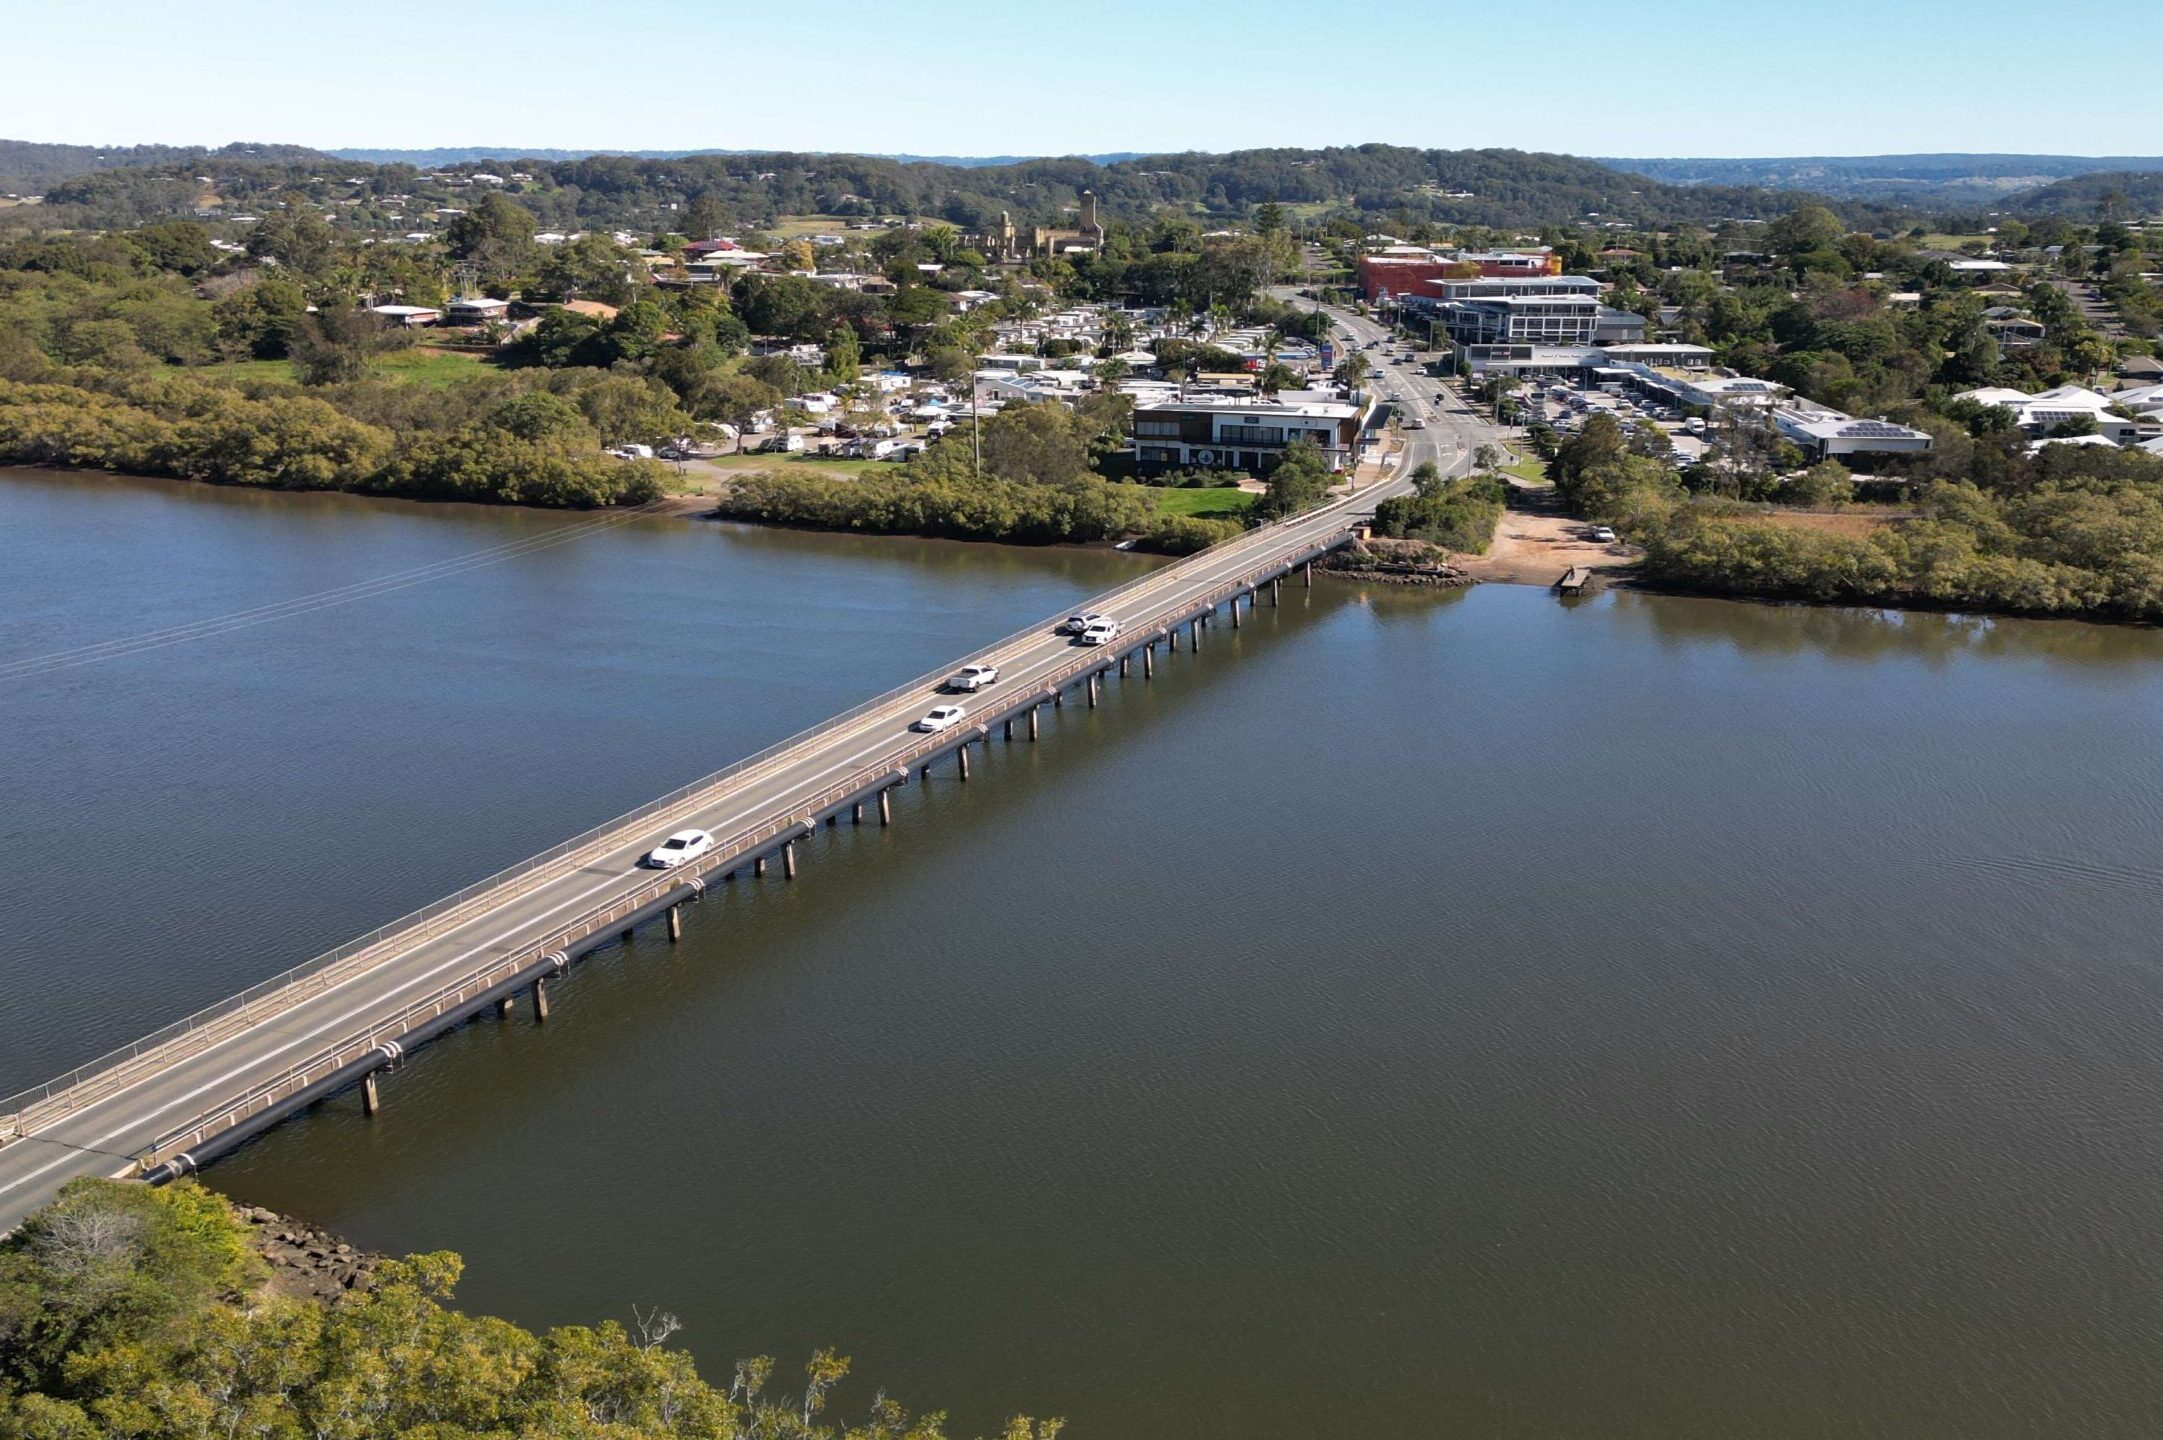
(196, 1076)
(1452, 431)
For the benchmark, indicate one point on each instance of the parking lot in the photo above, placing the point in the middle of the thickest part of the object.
(1567, 407)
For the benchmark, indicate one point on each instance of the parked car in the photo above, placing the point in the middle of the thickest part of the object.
(1100, 632)
(1075, 624)
(680, 848)
(972, 678)
(1603, 534)
(941, 717)
(1415, 423)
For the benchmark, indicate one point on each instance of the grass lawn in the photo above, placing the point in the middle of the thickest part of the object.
(1531, 469)
(1954, 242)
(417, 366)
(1216, 504)
(795, 227)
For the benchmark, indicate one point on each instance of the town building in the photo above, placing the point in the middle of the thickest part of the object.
(475, 310)
(1245, 432)
(1004, 244)
(1528, 310)
(1823, 434)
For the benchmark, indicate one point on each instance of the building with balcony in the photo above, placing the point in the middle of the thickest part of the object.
(1245, 432)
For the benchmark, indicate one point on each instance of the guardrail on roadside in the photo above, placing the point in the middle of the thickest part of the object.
(729, 855)
(22, 1113)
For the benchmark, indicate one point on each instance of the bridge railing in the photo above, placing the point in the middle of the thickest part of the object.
(26, 1110)
(727, 855)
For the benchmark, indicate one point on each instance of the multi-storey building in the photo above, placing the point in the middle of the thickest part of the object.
(1516, 310)
(1245, 432)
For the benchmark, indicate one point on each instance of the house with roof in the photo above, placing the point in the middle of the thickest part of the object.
(1824, 434)
(2040, 414)
(476, 310)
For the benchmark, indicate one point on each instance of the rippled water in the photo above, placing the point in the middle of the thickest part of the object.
(1417, 1014)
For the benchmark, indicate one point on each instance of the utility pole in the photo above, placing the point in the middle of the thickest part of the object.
(976, 428)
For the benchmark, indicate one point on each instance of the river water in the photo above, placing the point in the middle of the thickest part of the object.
(1418, 1014)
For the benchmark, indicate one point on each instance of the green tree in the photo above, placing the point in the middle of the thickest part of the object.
(1299, 482)
(704, 218)
(1823, 486)
(495, 236)
(592, 267)
(336, 344)
(1804, 229)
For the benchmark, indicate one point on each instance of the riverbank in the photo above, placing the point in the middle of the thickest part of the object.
(304, 1261)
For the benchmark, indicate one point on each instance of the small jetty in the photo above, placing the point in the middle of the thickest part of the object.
(1573, 581)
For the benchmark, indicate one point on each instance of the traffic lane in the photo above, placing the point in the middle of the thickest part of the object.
(528, 917)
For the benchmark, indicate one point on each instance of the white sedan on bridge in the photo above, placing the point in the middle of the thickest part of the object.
(942, 717)
(680, 848)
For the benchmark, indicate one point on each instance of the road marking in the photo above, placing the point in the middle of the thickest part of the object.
(1047, 657)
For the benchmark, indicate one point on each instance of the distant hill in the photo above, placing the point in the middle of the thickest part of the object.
(2111, 195)
(29, 168)
(467, 154)
(1954, 179)
(1386, 184)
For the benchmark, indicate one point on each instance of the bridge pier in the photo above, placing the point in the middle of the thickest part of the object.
(506, 1005)
(540, 999)
(1123, 664)
(1194, 634)
(675, 929)
(856, 813)
(1235, 611)
(1033, 720)
(788, 859)
(371, 1102)
(1092, 689)
(962, 755)
(1006, 728)
(1307, 573)
(758, 866)
(1276, 591)
(1175, 639)
(923, 774)
(886, 807)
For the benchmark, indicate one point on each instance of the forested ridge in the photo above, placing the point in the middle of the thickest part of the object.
(1475, 187)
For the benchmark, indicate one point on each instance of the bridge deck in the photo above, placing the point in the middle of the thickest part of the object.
(175, 1099)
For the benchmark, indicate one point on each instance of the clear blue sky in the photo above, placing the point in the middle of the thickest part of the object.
(1684, 77)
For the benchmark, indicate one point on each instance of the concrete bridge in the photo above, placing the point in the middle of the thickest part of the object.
(173, 1101)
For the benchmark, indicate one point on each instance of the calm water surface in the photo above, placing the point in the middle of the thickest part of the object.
(1416, 1015)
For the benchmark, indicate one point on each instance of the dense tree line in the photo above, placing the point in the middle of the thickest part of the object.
(413, 443)
(2069, 530)
(128, 1313)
